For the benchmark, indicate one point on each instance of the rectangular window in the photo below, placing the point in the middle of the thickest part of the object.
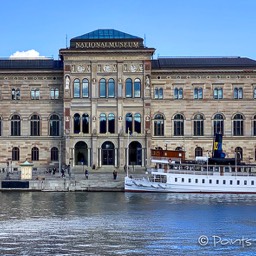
(202, 180)
(210, 181)
(196, 180)
(252, 182)
(245, 182)
(224, 182)
(176, 179)
(189, 180)
(217, 181)
(182, 180)
(230, 182)
(238, 182)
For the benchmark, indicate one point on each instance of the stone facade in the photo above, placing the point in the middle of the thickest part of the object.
(107, 94)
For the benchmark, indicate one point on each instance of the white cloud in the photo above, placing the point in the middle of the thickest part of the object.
(27, 54)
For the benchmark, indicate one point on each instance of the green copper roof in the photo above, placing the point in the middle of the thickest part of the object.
(105, 34)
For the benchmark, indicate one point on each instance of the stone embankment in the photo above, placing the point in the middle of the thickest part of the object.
(97, 181)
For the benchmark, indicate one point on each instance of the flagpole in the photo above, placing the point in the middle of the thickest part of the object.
(127, 154)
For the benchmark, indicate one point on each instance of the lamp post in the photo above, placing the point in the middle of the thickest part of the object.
(127, 153)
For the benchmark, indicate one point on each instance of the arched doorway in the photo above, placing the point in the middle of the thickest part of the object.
(135, 153)
(108, 153)
(81, 153)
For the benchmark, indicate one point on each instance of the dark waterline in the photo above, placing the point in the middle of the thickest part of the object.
(36, 223)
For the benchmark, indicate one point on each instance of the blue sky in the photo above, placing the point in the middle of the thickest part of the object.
(174, 28)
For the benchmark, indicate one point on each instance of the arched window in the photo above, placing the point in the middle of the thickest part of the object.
(111, 123)
(198, 125)
(159, 125)
(178, 93)
(111, 88)
(54, 125)
(54, 154)
(254, 125)
(128, 88)
(178, 125)
(198, 151)
(128, 123)
(239, 153)
(15, 125)
(35, 125)
(218, 93)
(238, 125)
(103, 123)
(137, 123)
(238, 93)
(77, 123)
(15, 154)
(218, 124)
(85, 123)
(85, 88)
(103, 93)
(198, 93)
(35, 154)
(137, 88)
(77, 88)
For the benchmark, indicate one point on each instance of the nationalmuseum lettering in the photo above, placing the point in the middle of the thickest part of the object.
(107, 44)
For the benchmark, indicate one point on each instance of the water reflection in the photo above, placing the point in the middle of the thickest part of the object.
(36, 223)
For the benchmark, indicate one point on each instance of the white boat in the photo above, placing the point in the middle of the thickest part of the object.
(196, 178)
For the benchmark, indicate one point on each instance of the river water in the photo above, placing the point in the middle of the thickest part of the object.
(94, 223)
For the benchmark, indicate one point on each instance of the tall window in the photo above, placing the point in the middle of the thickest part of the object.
(111, 123)
(198, 125)
(76, 123)
(35, 125)
(198, 93)
(54, 154)
(218, 124)
(178, 125)
(103, 92)
(128, 123)
(218, 93)
(137, 123)
(159, 125)
(55, 94)
(85, 120)
(15, 125)
(238, 125)
(35, 154)
(178, 93)
(15, 154)
(15, 94)
(76, 88)
(158, 93)
(103, 123)
(238, 93)
(254, 125)
(85, 88)
(54, 125)
(35, 94)
(254, 92)
(111, 88)
(137, 88)
(198, 151)
(128, 88)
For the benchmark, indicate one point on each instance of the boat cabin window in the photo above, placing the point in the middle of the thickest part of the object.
(252, 182)
(160, 178)
(202, 180)
(189, 180)
(231, 182)
(245, 182)
(176, 179)
(182, 180)
(217, 181)
(238, 182)
(226, 169)
(196, 180)
(224, 182)
(210, 181)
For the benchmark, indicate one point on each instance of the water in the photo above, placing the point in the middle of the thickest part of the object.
(37, 223)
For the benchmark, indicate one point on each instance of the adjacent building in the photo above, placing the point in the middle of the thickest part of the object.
(107, 100)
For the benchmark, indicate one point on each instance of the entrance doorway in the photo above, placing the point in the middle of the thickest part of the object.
(81, 153)
(135, 153)
(108, 153)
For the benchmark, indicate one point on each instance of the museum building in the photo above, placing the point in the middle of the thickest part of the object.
(107, 100)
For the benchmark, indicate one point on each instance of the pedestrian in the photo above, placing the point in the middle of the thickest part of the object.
(62, 172)
(114, 174)
(86, 174)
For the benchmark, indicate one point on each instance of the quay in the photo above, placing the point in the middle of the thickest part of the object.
(98, 180)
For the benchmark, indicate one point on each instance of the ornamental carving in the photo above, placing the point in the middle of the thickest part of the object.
(133, 67)
(81, 68)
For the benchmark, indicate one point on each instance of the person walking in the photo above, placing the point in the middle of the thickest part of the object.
(86, 173)
(114, 174)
